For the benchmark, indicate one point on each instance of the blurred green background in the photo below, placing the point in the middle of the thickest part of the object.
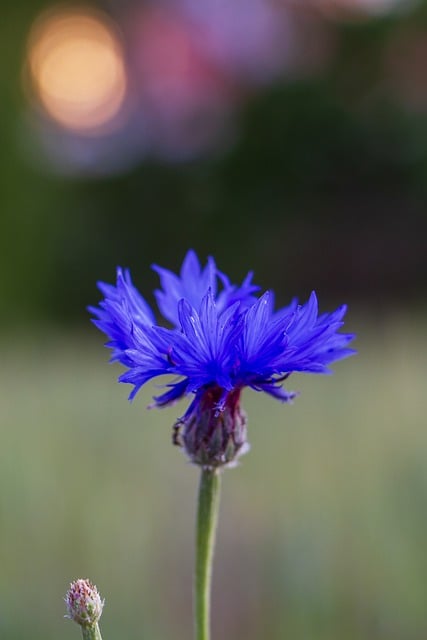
(315, 176)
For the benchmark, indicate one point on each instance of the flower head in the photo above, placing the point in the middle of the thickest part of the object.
(222, 339)
(84, 604)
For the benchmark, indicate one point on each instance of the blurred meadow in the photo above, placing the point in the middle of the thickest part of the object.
(285, 137)
(322, 528)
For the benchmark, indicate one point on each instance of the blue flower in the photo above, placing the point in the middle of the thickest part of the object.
(222, 339)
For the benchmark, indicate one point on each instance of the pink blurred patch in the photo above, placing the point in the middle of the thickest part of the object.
(252, 39)
(186, 97)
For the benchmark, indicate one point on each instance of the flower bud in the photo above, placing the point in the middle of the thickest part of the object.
(84, 603)
(213, 431)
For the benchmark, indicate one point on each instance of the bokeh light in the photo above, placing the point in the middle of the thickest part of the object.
(185, 96)
(77, 68)
(251, 39)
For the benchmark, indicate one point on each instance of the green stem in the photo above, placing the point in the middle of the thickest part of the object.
(91, 633)
(207, 516)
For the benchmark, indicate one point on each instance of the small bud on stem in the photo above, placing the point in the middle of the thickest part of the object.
(84, 606)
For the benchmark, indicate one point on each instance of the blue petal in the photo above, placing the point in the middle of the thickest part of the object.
(289, 340)
(176, 391)
(192, 285)
(126, 319)
(227, 340)
(204, 350)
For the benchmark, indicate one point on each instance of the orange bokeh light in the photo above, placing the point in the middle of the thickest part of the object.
(77, 70)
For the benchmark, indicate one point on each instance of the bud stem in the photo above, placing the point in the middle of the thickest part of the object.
(207, 517)
(92, 632)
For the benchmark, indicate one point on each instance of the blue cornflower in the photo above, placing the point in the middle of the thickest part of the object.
(222, 339)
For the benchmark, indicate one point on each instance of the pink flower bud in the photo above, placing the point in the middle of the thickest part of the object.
(84, 603)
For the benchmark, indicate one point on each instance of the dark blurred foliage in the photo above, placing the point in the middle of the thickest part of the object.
(324, 186)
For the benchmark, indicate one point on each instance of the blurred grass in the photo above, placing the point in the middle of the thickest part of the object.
(323, 527)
